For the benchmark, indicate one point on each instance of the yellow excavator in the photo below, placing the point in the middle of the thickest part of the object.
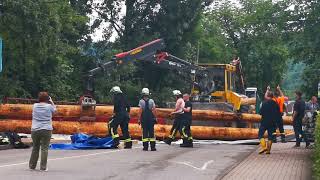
(214, 86)
(228, 91)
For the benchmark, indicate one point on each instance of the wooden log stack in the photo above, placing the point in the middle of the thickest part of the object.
(161, 131)
(67, 120)
(103, 113)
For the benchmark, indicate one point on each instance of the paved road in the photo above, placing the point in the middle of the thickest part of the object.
(205, 161)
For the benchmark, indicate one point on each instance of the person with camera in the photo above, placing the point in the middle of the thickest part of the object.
(41, 130)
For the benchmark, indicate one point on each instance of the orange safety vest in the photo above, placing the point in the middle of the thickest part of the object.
(280, 102)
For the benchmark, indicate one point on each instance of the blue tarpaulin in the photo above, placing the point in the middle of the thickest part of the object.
(84, 141)
(0, 54)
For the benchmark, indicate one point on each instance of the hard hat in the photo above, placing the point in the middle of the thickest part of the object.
(176, 92)
(145, 91)
(115, 89)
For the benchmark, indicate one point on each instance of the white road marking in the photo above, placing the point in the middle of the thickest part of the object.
(70, 157)
(204, 167)
(9, 165)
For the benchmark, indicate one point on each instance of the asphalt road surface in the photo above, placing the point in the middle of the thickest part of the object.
(204, 161)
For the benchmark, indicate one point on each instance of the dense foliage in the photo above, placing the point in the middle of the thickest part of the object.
(47, 44)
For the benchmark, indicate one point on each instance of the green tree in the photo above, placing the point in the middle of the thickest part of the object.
(254, 31)
(306, 45)
(175, 21)
(41, 43)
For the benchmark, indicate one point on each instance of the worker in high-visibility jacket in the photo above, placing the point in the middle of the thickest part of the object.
(178, 120)
(121, 117)
(147, 119)
(270, 113)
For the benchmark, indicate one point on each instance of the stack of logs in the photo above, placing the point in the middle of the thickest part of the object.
(67, 120)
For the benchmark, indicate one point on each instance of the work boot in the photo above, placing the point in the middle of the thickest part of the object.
(307, 144)
(187, 143)
(297, 143)
(274, 140)
(190, 142)
(153, 145)
(184, 142)
(283, 139)
(116, 142)
(269, 145)
(263, 146)
(145, 146)
(167, 141)
(128, 145)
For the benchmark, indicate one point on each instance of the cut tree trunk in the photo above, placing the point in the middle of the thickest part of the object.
(161, 131)
(74, 113)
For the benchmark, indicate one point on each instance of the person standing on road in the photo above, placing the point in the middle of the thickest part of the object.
(298, 114)
(147, 119)
(121, 117)
(41, 130)
(178, 113)
(279, 99)
(270, 114)
(186, 123)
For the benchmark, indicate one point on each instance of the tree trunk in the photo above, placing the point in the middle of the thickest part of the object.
(161, 131)
(103, 113)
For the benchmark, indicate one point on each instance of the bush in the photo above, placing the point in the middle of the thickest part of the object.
(316, 164)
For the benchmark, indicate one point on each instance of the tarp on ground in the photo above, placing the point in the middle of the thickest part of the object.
(84, 141)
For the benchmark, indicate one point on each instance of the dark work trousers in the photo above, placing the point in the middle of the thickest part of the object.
(148, 130)
(263, 129)
(40, 139)
(147, 124)
(297, 127)
(186, 128)
(177, 126)
(279, 124)
(121, 119)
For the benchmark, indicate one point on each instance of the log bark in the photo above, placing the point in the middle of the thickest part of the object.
(161, 131)
(287, 120)
(74, 112)
(248, 101)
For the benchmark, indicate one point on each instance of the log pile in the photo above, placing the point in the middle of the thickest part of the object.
(103, 113)
(161, 131)
(67, 120)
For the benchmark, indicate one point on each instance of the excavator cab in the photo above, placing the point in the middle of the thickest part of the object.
(221, 85)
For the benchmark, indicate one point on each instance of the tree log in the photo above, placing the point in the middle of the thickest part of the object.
(103, 113)
(161, 131)
(287, 120)
(248, 101)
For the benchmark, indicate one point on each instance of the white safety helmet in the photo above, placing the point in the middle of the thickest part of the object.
(176, 92)
(116, 90)
(145, 91)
